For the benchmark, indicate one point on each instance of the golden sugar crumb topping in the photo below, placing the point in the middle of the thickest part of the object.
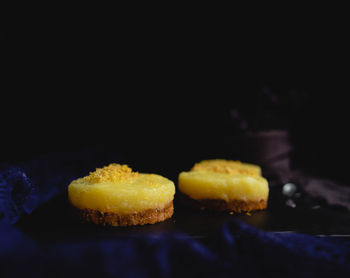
(111, 173)
(223, 166)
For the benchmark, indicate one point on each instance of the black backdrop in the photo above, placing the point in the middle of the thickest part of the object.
(162, 108)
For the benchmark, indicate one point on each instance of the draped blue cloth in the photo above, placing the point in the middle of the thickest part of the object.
(234, 250)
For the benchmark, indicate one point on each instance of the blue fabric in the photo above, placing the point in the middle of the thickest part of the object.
(234, 250)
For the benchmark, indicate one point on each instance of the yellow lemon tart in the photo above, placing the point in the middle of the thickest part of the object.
(225, 185)
(116, 196)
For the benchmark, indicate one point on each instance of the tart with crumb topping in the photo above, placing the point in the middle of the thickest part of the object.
(225, 185)
(117, 196)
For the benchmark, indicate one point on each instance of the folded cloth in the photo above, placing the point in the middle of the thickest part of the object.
(18, 195)
(321, 190)
(234, 249)
(334, 193)
(29, 184)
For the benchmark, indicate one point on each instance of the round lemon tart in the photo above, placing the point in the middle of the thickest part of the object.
(116, 196)
(225, 185)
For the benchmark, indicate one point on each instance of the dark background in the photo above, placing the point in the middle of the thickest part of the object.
(162, 92)
(172, 103)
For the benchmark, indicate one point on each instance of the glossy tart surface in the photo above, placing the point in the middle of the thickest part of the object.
(211, 185)
(224, 180)
(116, 188)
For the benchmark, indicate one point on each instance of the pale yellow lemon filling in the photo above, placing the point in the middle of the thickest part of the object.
(211, 185)
(118, 190)
(224, 179)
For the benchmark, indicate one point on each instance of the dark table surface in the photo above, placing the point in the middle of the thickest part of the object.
(53, 221)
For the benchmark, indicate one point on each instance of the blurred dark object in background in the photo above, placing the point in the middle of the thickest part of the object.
(170, 119)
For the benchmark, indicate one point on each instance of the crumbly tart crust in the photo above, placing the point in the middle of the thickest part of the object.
(222, 205)
(149, 216)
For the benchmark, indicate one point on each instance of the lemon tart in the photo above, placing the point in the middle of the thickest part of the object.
(117, 196)
(225, 185)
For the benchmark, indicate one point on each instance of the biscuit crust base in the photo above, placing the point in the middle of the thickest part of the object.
(149, 216)
(222, 205)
